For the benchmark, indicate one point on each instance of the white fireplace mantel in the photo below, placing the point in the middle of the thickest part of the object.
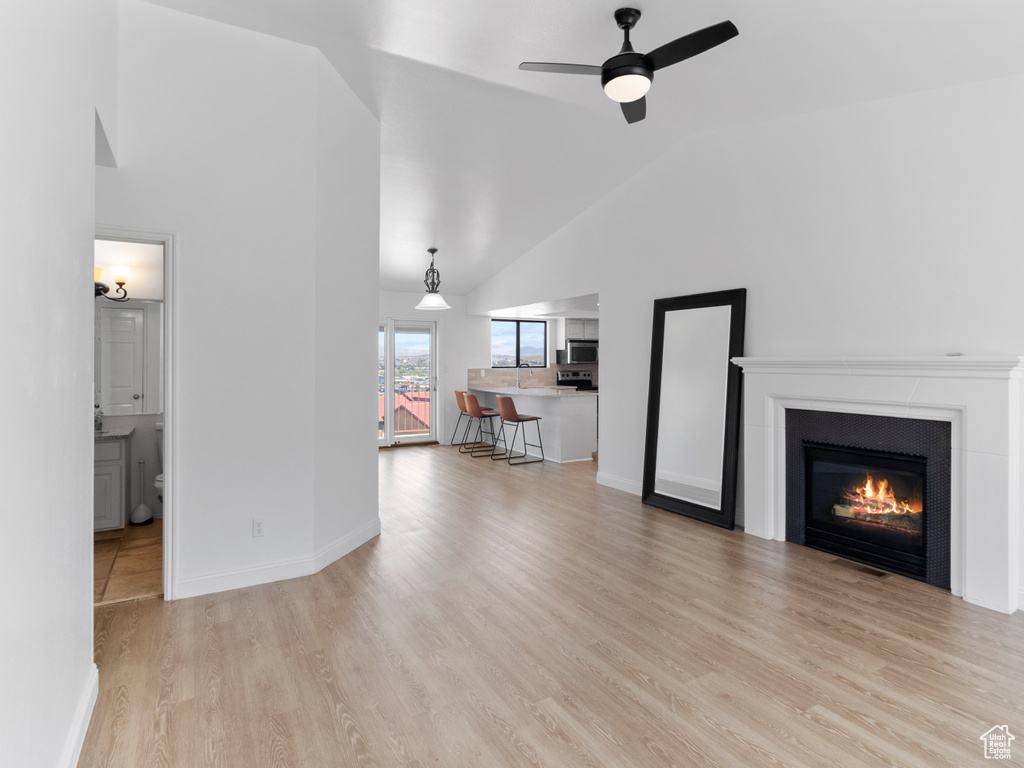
(981, 397)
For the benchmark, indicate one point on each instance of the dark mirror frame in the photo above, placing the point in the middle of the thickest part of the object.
(737, 301)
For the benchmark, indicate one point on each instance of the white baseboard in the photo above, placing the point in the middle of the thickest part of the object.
(193, 586)
(991, 606)
(333, 552)
(80, 725)
(603, 478)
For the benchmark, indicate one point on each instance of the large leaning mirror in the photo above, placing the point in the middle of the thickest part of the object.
(693, 407)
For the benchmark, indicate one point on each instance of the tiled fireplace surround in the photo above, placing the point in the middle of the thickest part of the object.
(981, 398)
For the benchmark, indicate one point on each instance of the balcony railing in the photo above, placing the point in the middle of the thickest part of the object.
(412, 412)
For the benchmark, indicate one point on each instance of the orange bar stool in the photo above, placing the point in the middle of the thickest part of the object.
(481, 416)
(509, 415)
(460, 400)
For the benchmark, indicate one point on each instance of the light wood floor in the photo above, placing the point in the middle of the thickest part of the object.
(128, 563)
(525, 617)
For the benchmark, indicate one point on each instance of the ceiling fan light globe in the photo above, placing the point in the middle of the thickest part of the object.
(627, 87)
(432, 301)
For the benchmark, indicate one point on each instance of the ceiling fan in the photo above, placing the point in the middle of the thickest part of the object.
(626, 77)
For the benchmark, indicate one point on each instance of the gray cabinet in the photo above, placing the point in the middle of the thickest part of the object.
(581, 328)
(111, 486)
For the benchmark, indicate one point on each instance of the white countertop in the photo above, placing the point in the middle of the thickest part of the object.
(536, 391)
(113, 433)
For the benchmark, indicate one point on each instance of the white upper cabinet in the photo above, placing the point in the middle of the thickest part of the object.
(581, 328)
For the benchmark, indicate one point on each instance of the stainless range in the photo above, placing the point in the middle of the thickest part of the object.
(580, 380)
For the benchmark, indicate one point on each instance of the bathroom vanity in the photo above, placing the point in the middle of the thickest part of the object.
(111, 486)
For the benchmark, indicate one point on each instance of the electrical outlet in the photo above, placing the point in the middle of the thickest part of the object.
(481, 373)
(257, 527)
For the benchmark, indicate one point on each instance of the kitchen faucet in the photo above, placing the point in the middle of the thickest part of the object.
(517, 372)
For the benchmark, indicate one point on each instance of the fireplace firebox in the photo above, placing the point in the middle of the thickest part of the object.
(874, 489)
(866, 505)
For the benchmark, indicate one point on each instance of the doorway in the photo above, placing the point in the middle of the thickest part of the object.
(407, 382)
(132, 534)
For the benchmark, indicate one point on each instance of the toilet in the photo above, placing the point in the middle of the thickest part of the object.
(159, 482)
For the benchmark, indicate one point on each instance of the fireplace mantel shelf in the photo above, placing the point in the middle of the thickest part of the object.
(942, 365)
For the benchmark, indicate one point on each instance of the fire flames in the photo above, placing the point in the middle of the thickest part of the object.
(875, 502)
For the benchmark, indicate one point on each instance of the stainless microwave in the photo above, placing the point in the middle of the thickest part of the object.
(577, 352)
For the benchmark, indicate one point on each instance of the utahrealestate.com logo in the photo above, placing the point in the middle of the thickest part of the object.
(997, 742)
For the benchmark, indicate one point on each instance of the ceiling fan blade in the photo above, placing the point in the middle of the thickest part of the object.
(561, 69)
(691, 44)
(635, 111)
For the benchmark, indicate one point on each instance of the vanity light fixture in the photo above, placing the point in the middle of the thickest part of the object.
(120, 278)
(432, 279)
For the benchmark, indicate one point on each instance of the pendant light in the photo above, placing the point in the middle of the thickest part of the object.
(432, 279)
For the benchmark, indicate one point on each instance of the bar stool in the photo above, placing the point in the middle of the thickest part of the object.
(462, 412)
(509, 415)
(480, 416)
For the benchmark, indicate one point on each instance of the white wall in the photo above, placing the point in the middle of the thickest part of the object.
(221, 147)
(57, 73)
(888, 228)
(346, 284)
(98, 34)
(464, 342)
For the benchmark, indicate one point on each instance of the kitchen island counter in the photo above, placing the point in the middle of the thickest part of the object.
(537, 391)
(568, 424)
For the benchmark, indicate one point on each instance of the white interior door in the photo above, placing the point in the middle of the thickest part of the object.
(122, 340)
(408, 367)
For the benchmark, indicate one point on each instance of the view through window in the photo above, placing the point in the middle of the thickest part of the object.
(514, 342)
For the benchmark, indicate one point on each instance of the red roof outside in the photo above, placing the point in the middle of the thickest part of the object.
(414, 404)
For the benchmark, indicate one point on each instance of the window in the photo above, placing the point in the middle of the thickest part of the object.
(514, 342)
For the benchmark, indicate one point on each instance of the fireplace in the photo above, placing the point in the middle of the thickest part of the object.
(866, 505)
(979, 402)
(874, 489)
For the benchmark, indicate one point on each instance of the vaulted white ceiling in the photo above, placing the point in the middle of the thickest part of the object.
(484, 161)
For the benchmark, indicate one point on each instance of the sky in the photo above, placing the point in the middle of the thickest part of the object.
(407, 344)
(503, 338)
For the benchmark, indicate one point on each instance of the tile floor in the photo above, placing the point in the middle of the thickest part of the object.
(128, 563)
